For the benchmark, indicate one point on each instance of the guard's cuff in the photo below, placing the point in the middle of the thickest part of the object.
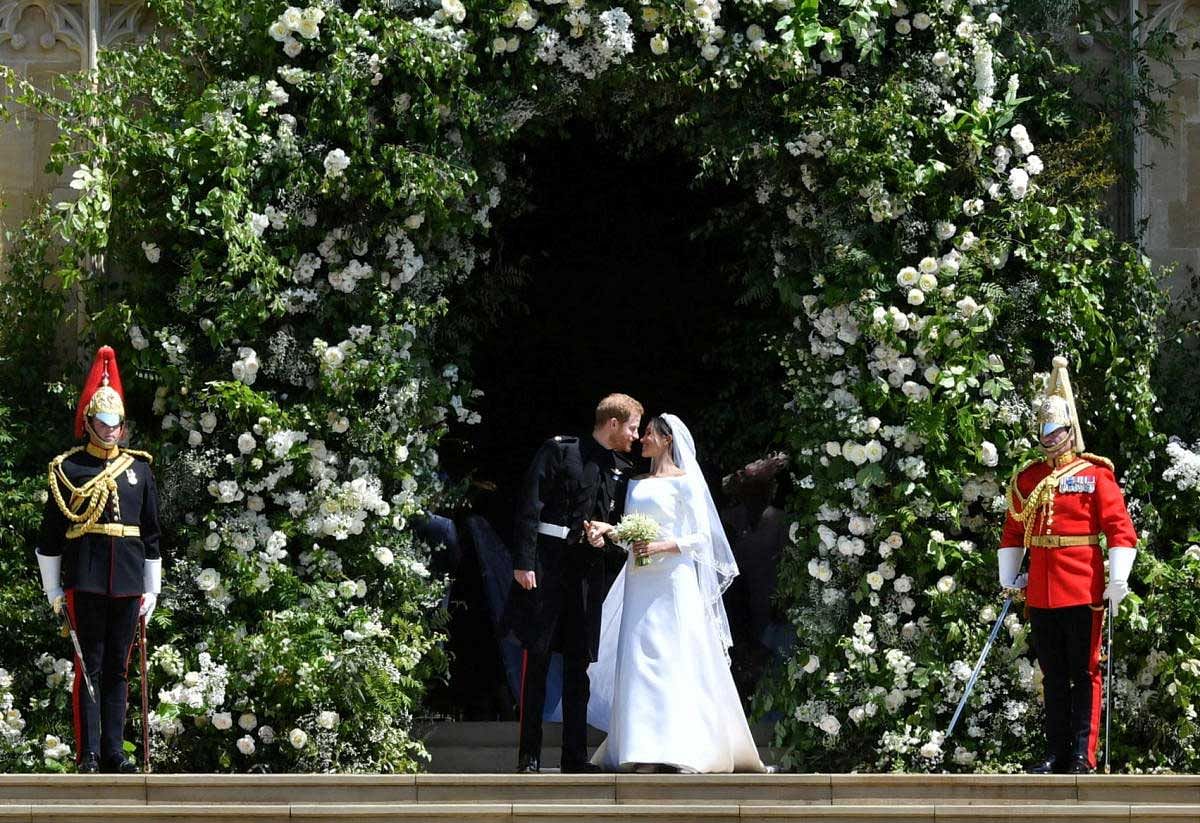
(51, 569)
(1008, 559)
(152, 577)
(1120, 562)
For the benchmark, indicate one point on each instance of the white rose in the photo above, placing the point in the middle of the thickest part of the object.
(927, 282)
(988, 454)
(875, 580)
(266, 734)
(1033, 165)
(659, 44)
(247, 721)
(874, 451)
(710, 51)
(327, 720)
(308, 29)
(222, 721)
(195, 438)
(946, 584)
(907, 277)
(384, 555)
(944, 230)
(902, 584)
(941, 59)
(246, 443)
(455, 10)
(928, 265)
(336, 162)
(151, 251)
(292, 47)
(921, 21)
(830, 725)
(932, 751)
(1018, 182)
(208, 579)
(279, 31)
(903, 26)
(208, 422)
(297, 737)
(894, 540)
(813, 664)
(246, 745)
(291, 17)
(916, 297)
(972, 207)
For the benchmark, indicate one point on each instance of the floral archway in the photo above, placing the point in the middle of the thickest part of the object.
(288, 194)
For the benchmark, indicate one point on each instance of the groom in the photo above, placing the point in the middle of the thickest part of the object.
(559, 587)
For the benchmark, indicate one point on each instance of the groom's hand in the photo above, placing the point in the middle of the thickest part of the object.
(525, 579)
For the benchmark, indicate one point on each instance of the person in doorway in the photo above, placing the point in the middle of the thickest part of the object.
(1058, 509)
(661, 686)
(757, 531)
(558, 576)
(98, 553)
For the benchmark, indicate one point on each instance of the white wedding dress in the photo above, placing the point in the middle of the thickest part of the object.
(661, 687)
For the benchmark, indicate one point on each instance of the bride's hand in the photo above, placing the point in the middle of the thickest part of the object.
(644, 548)
(597, 531)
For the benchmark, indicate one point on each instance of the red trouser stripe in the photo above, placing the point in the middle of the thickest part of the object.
(76, 686)
(1097, 686)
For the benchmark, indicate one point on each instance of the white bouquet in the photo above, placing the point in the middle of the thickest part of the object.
(638, 528)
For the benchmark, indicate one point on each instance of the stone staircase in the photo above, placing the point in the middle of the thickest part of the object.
(553, 798)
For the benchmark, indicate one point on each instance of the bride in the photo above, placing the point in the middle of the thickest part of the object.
(661, 686)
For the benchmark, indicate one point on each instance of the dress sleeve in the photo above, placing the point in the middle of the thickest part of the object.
(691, 535)
(150, 528)
(538, 478)
(1111, 512)
(53, 533)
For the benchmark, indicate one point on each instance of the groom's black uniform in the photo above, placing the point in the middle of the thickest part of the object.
(571, 480)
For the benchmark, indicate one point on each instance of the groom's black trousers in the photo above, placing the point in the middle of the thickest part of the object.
(575, 695)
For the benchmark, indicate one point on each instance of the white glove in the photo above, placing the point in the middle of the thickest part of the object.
(1009, 559)
(1120, 563)
(151, 586)
(51, 569)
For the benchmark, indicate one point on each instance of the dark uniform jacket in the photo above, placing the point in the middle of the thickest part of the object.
(571, 480)
(101, 563)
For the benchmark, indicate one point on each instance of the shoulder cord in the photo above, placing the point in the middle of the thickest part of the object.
(1037, 510)
(93, 495)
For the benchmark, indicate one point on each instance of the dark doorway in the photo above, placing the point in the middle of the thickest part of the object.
(624, 291)
(616, 280)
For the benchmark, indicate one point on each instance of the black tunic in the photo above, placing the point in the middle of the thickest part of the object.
(570, 480)
(99, 563)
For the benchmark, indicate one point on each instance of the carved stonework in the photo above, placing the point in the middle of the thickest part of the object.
(66, 23)
(122, 22)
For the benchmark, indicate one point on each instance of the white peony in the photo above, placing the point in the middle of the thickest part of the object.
(246, 745)
(222, 721)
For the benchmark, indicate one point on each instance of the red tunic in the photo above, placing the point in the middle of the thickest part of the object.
(1086, 502)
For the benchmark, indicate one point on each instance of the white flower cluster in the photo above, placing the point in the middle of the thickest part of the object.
(609, 41)
(59, 671)
(245, 368)
(11, 722)
(199, 692)
(1184, 470)
(295, 21)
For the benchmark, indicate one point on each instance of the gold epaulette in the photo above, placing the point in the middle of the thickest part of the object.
(149, 458)
(1099, 461)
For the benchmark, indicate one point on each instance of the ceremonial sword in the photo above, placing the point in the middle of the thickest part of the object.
(1108, 669)
(145, 698)
(987, 647)
(87, 681)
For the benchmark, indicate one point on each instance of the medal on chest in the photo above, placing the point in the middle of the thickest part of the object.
(1077, 485)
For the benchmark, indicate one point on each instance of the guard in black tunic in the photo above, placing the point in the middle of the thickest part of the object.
(100, 542)
(560, 582)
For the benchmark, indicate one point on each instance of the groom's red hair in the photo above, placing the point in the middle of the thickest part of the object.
(620, 406)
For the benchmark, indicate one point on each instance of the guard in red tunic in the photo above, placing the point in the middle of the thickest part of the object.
(100, 542)
(1059, 510)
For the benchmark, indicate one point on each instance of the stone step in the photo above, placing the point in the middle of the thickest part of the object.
(580, 812)
(459, 747)
(807, 793)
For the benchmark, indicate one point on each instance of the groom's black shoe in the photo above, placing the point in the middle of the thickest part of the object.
(1049, 765)
(528, 765)
(580, 768)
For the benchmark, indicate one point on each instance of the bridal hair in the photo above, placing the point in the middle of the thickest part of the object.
(620, 406)
(661, 426)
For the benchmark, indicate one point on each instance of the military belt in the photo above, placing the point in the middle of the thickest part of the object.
(110, 530)
(1062, 541)
(551, 530)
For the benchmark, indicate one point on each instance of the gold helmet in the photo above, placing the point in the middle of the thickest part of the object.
(1058, 408)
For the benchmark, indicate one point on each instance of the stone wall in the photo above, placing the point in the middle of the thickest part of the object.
(41, 39)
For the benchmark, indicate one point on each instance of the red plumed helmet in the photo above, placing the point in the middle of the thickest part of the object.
(102, 391)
